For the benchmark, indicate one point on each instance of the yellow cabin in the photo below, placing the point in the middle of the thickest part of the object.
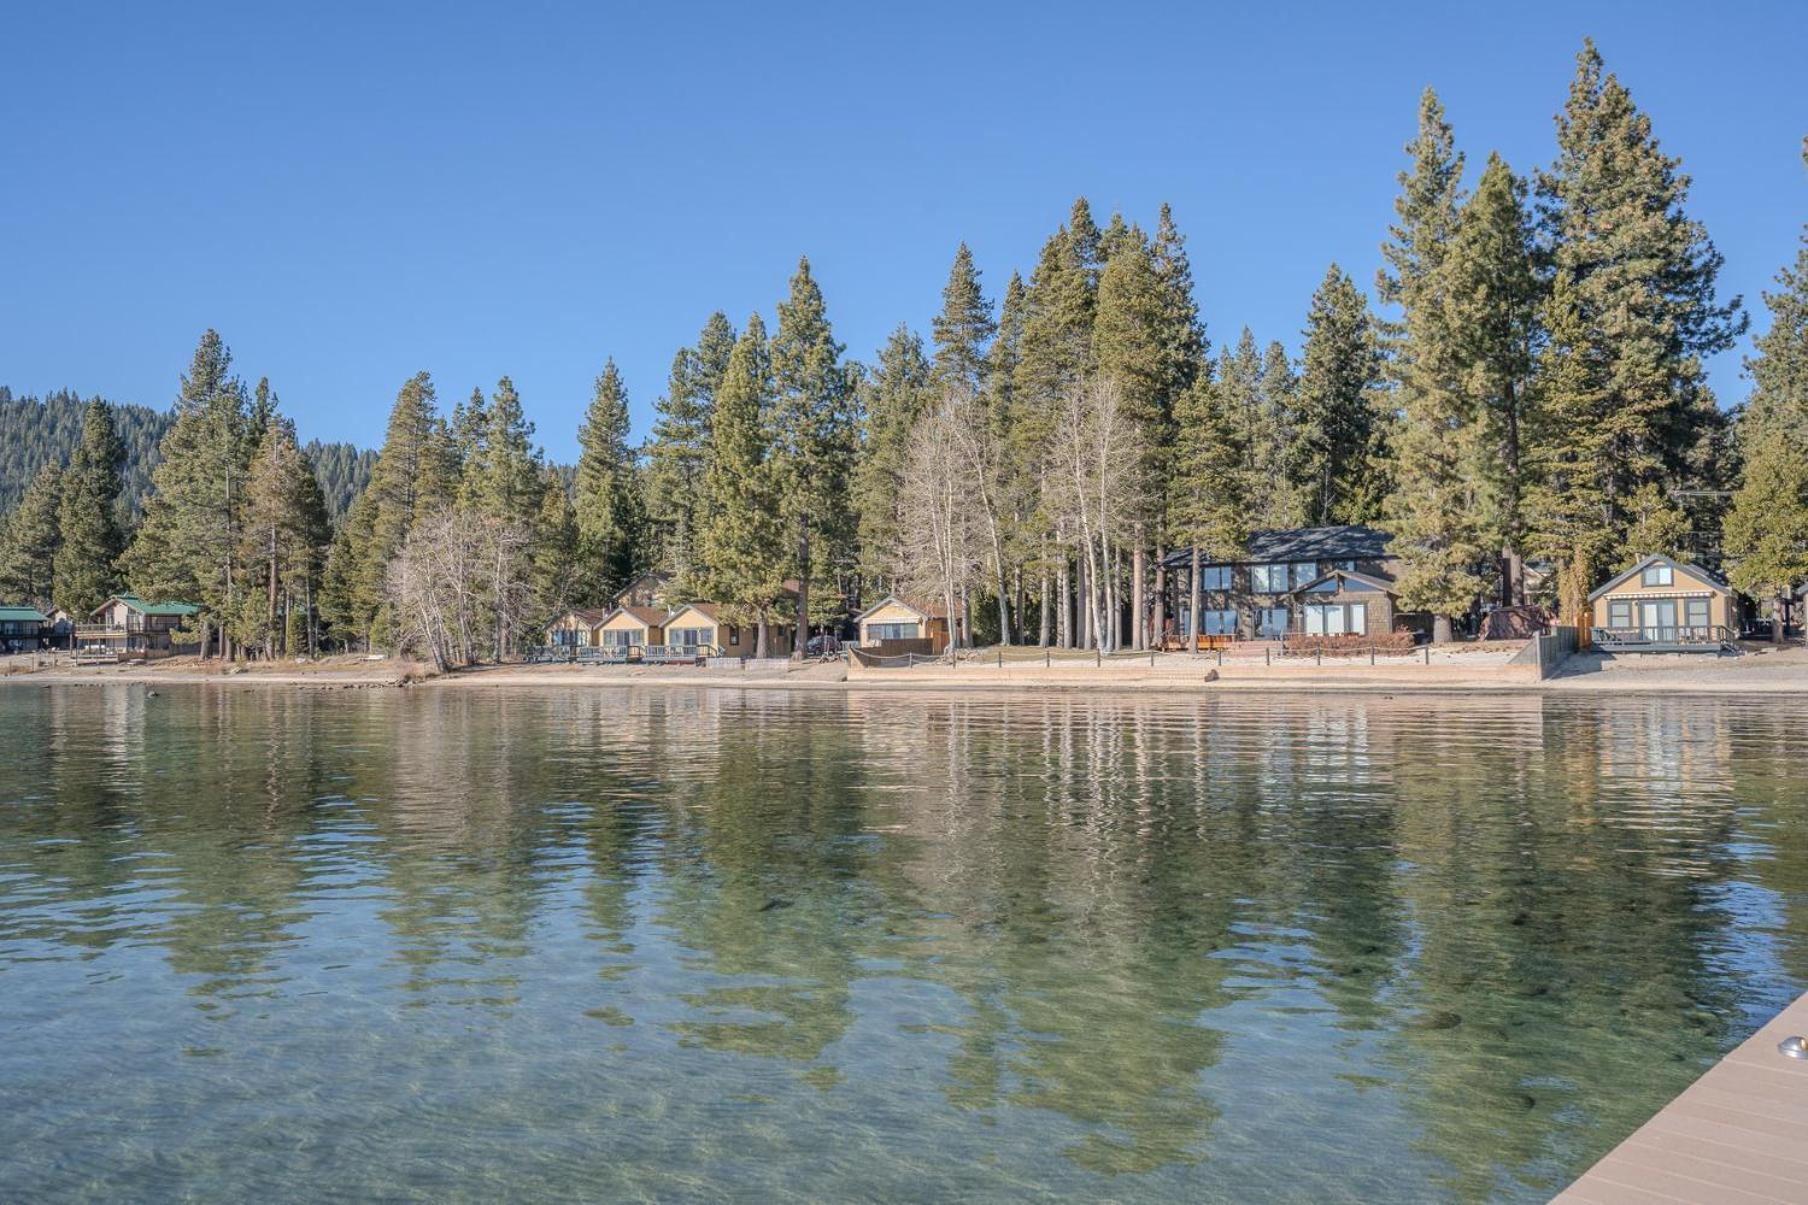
(576, 628)
(894, 619)
(1661, 605)
(630, 627)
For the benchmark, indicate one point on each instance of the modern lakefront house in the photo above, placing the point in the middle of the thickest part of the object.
(1303, 581)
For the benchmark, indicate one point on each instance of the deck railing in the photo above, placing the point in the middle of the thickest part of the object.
(1707, 635)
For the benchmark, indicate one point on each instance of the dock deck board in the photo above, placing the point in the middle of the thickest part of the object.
(1737, 1134)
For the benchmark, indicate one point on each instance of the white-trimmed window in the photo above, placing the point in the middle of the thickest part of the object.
(1659, 575)
(1337, 619)
(891, 631)
(623, 639)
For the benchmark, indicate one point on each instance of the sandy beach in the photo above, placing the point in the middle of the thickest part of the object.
(1762, 670)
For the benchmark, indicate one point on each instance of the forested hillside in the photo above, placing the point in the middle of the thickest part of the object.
(35, 431)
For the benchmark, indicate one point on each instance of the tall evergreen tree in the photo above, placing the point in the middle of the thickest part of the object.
(87, 515)
(28, 550)
(1767, 527)
(187, 547)
(285, 540)
(678, 455)
(1491, 297)
(506, 485)
(742, 538)
(1210, 490)
(1433, 506)
(894, 395)
(1622, 401)
(964, 329)
(415, 477)
(814, 436)
(609, 512)
(1339, 436)
(563, 573)
(1277, 501)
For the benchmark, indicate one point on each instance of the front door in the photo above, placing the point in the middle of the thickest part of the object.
(1658, 619)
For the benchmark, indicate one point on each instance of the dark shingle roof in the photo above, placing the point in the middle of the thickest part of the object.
(1350, 542)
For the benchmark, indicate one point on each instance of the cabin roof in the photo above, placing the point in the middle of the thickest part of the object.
(706, 609)
(1706, 578)
(589, 615)
(651, 617)
(1346, 542)
(1349, 577)
(22, 614)
(928, 610)
(180, 609)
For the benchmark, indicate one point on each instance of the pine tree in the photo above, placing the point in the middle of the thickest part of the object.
(741, 539)
(1210, 491)
(187, 547)
(814, 436)
(506, 485)
(1767, 527)
(1339, 434)
(893, 397)
(415, 477)
(285, 539)
(1277, 502)
(562, 571)
(28, 551)
(1491, 299)
(1631, 314)
(87, 515)
(608, 510)
(1434, 463)
(678, 455)
(963, 330)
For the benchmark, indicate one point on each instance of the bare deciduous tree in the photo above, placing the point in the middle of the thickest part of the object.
(1093, 483)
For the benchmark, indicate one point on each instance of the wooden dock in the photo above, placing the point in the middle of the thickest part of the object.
(1737, 1136)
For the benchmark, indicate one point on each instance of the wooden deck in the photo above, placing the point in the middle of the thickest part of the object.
(1737, 1136)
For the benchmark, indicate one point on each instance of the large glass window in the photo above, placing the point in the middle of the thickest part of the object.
(1697, 613)
(1619, 614)
(1304, 572)
(1214, 577)
(1220, 623)
(1659, 575)
(616, 639)
(1268, 579)
(1271, 622)
(892, 631)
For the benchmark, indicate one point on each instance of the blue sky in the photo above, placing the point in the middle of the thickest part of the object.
(353, 193)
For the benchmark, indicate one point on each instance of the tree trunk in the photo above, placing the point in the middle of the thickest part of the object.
(1158, 612)
(1064, 609)
(1779, 612)
(1441, 631)
(1045, 604)
(1139, 565)
(759, 637)
(1194, 601)
(803, 588)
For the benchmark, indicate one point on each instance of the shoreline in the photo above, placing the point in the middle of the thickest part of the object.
(1784, 672)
